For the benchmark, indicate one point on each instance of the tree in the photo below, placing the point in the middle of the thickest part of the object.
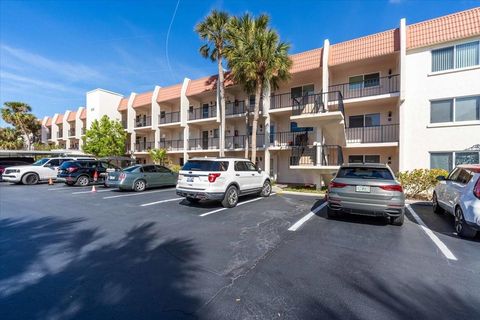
(105, 138)
(20, 116)
(213, 30)
(257, 59)
(159, 156)
(10, 139)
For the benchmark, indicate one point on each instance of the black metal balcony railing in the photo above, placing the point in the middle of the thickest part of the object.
(171, 145)
(60, 134)
(203, 144)
(239, 142)
(49, 136)
(237, 107)
(71, 133)
(289, 139)
(169, 117)
(202, 113)
(124, 124)
(372, 87)
(330, 155)
(143, 122)
(315, 103)
(144, 146)
(375, 134)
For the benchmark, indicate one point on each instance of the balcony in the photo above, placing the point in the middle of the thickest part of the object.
(145, 121)
(239, 142)
(172, 145)
(124, 124)
(71, 133)
(144, 146)
(316, 156)
(169, 117)
(367, 88)
(60, 134)
(202, 113)
(83, 131)
(203, 144)
(235, 108)
(318, 109)
(377, 134)
(289, 139)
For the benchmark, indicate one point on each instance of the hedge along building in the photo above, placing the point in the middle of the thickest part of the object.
(408, 97)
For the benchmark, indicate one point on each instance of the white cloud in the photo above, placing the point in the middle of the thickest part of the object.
(13, 80)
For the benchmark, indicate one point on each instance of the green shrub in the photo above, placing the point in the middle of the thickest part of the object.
(175, 167)
(419, 182)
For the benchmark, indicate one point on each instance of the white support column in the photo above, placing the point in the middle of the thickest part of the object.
(78, 128)
(184, 105)
(155, 114)
(131, 120)
(325, 72)
(266, 114)
(43, 132)
(319, 144)
(66, 129)
(54, 129)
(401, 104)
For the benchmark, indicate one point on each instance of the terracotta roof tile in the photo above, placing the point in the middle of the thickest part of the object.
(455, 26)
(83, 115)
(59, 119)
(143, 99)
(169, 93)
(365, 47)
(49, 122)
(206, 84)
(307, 60)
(71, 116)
(122, 106)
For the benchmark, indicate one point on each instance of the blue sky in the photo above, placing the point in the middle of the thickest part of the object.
(53, 52)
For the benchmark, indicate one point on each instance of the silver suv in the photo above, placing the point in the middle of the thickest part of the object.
(223, 179)
(366, 189)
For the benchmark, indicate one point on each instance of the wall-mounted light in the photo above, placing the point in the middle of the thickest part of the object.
(389, 116)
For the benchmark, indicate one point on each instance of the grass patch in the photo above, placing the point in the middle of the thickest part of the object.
(304, 189)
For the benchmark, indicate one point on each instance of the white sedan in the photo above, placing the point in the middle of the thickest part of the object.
(459, 195)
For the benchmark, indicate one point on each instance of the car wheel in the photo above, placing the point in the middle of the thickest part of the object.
(230, 199)
(192, 200)
(83, 181)
(435, 206)
(30, 178)
(266, 189)
(139, 186)
(397, 221)
(461, 227)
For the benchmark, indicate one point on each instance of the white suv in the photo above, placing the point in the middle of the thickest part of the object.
(223, 179)
(42, 170)
(459, 195)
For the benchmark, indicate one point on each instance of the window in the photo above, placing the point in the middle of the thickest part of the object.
(372, 159)
(367, 120)
(205, 165)
(162, 114)
(369, 158)
(455, 110)
(149, 169)
(250, 166)
(251, 99)
(162, 169)
(466, 158)
(240, 166)
(365, 173)
(355, 159)
(459, 56)
(302, 91)
(295, 128)
(355, 121)
(441, 160)
(364, 81)
(463, 177)
(215, 133)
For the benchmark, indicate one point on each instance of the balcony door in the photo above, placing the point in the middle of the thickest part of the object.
(204, 140)
(205, 110)
(364, 128)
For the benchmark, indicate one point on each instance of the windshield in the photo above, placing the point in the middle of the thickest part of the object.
(40, 162)
(132, 169)
(201, 165)
(365, 173)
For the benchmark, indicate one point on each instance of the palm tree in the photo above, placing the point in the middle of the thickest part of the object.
(257, 59)
(19, 115)
(213, 30)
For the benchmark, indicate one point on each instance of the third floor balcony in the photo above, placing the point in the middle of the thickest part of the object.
(71, 132)
(169, 117)
(143, 121)
(204, 112)
(374, 134)
(369, 87)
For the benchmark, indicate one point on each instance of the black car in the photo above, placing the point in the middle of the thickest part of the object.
(84, 172)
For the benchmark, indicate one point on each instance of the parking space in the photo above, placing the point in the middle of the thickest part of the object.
(153, 254)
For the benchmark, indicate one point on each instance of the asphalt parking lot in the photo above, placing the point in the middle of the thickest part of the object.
(68, 253)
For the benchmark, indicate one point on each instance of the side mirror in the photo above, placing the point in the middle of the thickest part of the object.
(259, 170)
(47, 165)
(441, 178)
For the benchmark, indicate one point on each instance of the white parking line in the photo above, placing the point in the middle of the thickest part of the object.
(446, 252)
(157, 202)
(90, 191)
(137, 193)
(239, 204)
(66, 188)
(307, 217)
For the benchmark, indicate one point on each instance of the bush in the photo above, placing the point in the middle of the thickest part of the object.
(419, 183)
(175, 167)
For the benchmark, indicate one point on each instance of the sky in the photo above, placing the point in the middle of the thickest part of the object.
(53, 52)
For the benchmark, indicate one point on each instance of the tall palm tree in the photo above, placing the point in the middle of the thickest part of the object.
(213, 30)
(19, 115)
(257, 59)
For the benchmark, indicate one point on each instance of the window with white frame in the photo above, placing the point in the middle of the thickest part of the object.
(447, 160)
(364, 81)
(455, 109)
(364, 120)
(456, 57)
(368, 158)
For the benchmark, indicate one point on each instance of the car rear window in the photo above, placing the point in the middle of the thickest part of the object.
(365, 173)
(68, 164)
(203, 165)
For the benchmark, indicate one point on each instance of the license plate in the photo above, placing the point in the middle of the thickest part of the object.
(362, 188)
(189, 179)
(112, 178)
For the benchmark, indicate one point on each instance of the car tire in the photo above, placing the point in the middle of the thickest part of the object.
(397, 221)
(139, 186)
(230, 199)
(30, 178)
(435, 206)
(266, 189)
(461, 227)
(192, 200)
(82, 181)
(331, 214)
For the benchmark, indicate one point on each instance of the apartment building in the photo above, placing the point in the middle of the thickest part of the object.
(409, 97)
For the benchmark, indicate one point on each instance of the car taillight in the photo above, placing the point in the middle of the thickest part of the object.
(393, 187)
(72, 169)
(213, 176)
(334, 184)
(476, 189)
(122, 176)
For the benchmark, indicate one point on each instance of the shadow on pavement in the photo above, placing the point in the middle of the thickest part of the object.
(49, 269)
